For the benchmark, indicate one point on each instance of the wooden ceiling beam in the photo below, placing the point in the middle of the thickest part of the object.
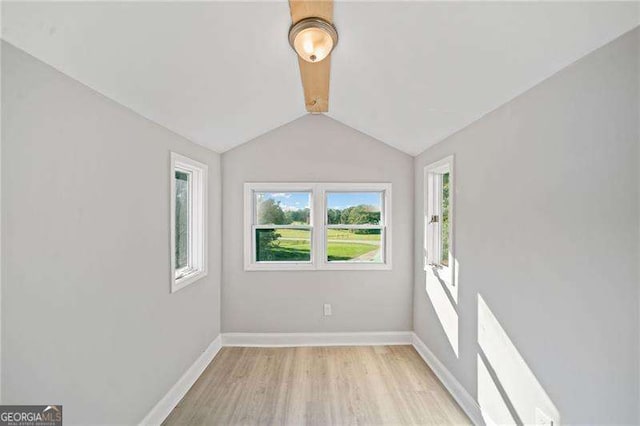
(315, 76)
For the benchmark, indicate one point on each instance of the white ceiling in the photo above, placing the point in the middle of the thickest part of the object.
(222, 73)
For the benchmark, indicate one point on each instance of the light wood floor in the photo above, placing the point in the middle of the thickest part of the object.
(317, 386)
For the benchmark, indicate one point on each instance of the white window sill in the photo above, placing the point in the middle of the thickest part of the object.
(354, 266)
(182, 282)
(338, 266)
(280, 266)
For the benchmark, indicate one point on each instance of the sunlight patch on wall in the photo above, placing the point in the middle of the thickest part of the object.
(494, 407)
(445, 305)
(508, 391)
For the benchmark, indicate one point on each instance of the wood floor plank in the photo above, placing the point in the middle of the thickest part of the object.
(350, 385)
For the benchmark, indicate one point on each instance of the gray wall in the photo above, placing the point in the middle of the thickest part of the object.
(547, 234)
(316, 148)
(87, 317)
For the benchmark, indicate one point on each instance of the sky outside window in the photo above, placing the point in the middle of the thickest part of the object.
(287, 200)
(343, 200)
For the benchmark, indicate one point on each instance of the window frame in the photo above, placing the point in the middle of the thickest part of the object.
(318, 226)
(198, 213)
(432, 207)
(385, 226)
(250, 225)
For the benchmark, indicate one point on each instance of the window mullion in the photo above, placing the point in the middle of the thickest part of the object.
(320, 221)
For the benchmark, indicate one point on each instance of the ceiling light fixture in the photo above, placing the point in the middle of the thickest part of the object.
(313, 39)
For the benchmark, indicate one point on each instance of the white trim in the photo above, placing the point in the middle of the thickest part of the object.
(317, 339)
(249, 234)
(199, 242)
(164, 407)
(317, 225)
(455, 388)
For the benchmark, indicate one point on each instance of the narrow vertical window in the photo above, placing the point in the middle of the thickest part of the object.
(445, 236)
(188, 221)
(182, 182)
(438, 244)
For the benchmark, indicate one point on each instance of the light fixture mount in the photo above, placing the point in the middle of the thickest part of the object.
(313, 39)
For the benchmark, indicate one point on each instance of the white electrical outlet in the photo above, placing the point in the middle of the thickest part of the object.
(543, 419)
(327, 309)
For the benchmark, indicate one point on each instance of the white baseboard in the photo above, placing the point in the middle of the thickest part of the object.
(317, 339)
(164, 407)
(459, 393)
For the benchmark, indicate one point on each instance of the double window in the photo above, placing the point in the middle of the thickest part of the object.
(188, 221)
(308, 226)
(438, 243)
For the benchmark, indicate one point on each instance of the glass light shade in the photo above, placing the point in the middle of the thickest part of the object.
(313, 44)
(313, 39)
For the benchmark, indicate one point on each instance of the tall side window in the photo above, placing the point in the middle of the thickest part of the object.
(188, 221)
(438, 223)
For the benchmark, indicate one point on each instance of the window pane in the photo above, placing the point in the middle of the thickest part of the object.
(444, 252)
(283, 245)
(283, 208)
(182, 219)
(354, 208)
(354, 245)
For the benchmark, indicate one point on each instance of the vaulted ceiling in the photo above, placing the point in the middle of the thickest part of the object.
(221, 73)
